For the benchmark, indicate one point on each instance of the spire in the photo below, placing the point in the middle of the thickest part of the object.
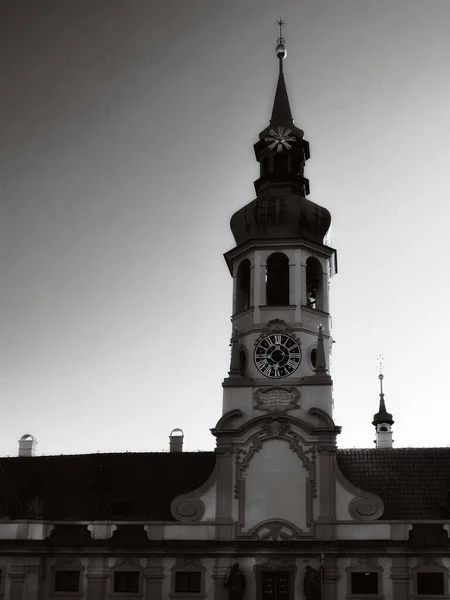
(281, 112)
(382, 416)
(382, 420)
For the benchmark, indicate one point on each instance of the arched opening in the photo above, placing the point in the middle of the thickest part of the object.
(277, 280)
(243, 286)
(314, 292)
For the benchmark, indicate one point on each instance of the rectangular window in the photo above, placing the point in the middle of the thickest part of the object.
(188, 582)
(67, 581)
(365, 583)
(430, 583)
(275, 585)
(126, 581)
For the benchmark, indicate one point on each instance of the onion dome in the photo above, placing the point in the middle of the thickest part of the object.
(382, 416)
(281, 209)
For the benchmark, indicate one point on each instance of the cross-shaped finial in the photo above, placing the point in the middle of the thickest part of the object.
(380, 364)
(281, 24)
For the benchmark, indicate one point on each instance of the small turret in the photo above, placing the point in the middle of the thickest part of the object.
(383, 421)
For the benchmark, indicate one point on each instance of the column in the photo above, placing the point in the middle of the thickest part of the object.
(330, 580)
(298, 282)
(32, 581)
(97, 576)
(16, 575)
(153, 576)
(400, 576)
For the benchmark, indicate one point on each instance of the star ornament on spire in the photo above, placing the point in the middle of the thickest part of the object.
(280, 139)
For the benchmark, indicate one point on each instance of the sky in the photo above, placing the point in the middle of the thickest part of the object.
(126, 144)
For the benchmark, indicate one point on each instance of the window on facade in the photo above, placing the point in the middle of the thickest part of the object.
(364, 583)
(277, 280)
(188, 582)
(314, 283)
(430, 583)
(243, 286)
(126, 581)
(67, 581)
(275, 585)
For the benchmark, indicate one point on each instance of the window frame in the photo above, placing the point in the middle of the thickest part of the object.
(364, 568)
(187, 566)
(430, 568)
(67, 564)
(63, 569)
(126, 566)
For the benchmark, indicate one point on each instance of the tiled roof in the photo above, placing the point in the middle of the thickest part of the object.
(413, 483)
(128, 486)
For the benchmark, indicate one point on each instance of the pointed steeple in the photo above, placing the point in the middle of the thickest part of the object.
(382, 416)
(382, 420)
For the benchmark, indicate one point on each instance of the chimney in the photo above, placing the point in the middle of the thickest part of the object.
(27, 445)
(176, 440)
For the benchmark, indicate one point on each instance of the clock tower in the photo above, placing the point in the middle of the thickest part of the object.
(281, 268)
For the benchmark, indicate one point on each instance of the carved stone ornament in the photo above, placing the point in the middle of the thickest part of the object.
(276, 399)
(276, 326)
(367, 508)
(187, 509)
(276, 530)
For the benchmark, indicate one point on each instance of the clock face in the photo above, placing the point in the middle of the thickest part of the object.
(277, 355)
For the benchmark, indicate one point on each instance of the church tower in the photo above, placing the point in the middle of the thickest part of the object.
(383, 421)
(281, 268)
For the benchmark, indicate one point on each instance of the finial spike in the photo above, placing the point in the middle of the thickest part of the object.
(281, 48)
(321, 365)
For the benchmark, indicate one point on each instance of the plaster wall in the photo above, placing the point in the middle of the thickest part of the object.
(275, 486)
(209, 500)
(189, 531)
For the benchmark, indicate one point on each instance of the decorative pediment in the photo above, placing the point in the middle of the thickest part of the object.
(276, 530)
(276, 326)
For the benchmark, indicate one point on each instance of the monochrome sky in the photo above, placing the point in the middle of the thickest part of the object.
(126, 144)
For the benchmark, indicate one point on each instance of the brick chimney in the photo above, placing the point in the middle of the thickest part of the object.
(176, 440)
(27, 445)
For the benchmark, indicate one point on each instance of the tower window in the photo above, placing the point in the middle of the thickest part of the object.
(314, 292)
(277, 280)
(243, 286)
(280, 163)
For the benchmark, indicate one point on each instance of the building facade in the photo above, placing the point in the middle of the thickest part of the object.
(277, 511)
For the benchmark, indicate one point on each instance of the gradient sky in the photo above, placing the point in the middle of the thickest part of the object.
(127, 132)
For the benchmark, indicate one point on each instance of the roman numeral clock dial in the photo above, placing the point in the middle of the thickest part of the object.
(277, 355)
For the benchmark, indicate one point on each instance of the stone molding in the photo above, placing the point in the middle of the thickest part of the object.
(275, 427)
